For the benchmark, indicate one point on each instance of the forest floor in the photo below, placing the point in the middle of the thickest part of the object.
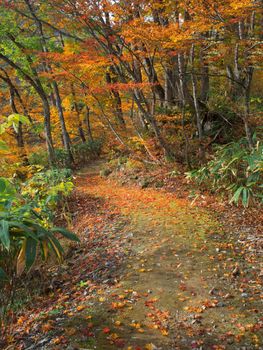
(152, 272)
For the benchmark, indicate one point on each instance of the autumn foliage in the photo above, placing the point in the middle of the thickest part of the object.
(141, 82)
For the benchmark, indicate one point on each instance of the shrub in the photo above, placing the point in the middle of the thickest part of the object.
(62, 158)
(84, 152)
(39, 158)
(236, 170)
(24, 235)
(47, 189)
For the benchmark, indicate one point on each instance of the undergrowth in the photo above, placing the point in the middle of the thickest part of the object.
(235, 170)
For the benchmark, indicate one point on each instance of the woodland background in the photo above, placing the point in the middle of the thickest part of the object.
(146, 83)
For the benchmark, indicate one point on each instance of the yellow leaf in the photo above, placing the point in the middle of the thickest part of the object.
(45, 249)
(135, 325)
(81, 307)
(149, 346)
(113, 336)
(20, 265)
(56, 340)
(164, 332)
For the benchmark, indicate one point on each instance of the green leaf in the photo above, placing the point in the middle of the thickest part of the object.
(3, 145)
(25, 230)
(15, 118)
(2, 184)
(3, 276)
(57, 249)
(236, 195)
(4, 234)
(245, 197)
(66, 233)
(31, 252)
(57, 244)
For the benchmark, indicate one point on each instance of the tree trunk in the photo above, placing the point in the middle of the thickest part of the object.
(137, 95)
(196, 105)
(36, 84)
(181, 89)
(117, 100)
(76, 107)
(246, 115)
(204, 79)
(48, 134)
(65, 135)
(169, 84)
(87, 122)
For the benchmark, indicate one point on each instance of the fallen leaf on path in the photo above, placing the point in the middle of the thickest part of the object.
(106, 330)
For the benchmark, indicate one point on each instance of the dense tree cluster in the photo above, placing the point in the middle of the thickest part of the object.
(179, 75)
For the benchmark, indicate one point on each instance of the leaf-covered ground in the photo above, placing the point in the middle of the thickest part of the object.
(152, 272)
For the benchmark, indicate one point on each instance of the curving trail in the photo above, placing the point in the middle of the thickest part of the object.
(176, 287)
(152, 272)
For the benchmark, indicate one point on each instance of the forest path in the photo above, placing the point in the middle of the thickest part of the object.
(179, 284)
(151, 272)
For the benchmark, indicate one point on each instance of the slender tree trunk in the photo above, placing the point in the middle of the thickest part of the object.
(196, 105)
(137, 95)
(48, 133)
(205, 84)
(36, 84)
(153, 79)
(65, 135)
(117, 100)
(54, 96)
(87, 122)
(181, 89)
(169, 83)
(76, 107)
(246, 115)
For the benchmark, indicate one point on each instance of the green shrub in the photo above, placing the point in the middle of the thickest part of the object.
(47, 189)
(62, 158)
(84, 152)
(25, 234)
(236, 170)
(39, 158)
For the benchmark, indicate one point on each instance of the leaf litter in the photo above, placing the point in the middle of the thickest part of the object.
(152, 272)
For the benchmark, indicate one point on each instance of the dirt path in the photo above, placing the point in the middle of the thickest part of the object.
(153, 273)
(183, 286)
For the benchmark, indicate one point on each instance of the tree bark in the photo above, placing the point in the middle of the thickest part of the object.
(196, 105)
(76, 107)
(55, 95)
(87, 122)
(117, 100)
(65, 135)
(35, 83)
